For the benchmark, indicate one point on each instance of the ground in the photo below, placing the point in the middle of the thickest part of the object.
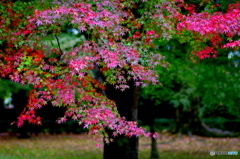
(72, 146)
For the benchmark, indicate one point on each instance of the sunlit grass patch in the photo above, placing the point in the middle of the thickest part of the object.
(81, 147)
(52, 147)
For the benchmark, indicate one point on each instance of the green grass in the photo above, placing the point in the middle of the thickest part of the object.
(144, 154)
(50, 147)
(81, 147)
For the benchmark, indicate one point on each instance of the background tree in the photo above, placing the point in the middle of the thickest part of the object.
(194, 88)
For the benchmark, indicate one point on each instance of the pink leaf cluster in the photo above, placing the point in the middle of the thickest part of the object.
(212, 27)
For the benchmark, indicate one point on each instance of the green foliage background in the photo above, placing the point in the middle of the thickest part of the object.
(214, 81)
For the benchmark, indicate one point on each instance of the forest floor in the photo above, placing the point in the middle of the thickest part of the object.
(72, 146)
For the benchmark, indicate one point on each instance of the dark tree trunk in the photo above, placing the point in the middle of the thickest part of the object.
(154, 149)
(134, 140)
(148, 113)
(189, 122)
(127, 104)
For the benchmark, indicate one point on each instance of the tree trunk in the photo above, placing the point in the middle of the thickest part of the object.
(189, 122)
(127, 104)
(134, 141)
(147, 114)
(154, 149)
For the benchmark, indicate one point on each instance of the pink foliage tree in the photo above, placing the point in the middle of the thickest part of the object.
(119, 46)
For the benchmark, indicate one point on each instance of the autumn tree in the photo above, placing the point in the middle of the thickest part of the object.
(66, 78)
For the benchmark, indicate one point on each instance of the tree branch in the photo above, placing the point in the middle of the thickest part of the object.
(58, 44)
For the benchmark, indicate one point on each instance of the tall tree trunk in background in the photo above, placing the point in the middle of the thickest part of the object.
(188, 120)
(148, 113)
(178, 127)
(154, 149)
(127, 104)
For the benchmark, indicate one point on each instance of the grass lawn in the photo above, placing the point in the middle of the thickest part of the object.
(81, 147)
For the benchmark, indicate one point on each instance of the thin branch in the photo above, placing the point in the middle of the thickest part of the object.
(58, 44)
